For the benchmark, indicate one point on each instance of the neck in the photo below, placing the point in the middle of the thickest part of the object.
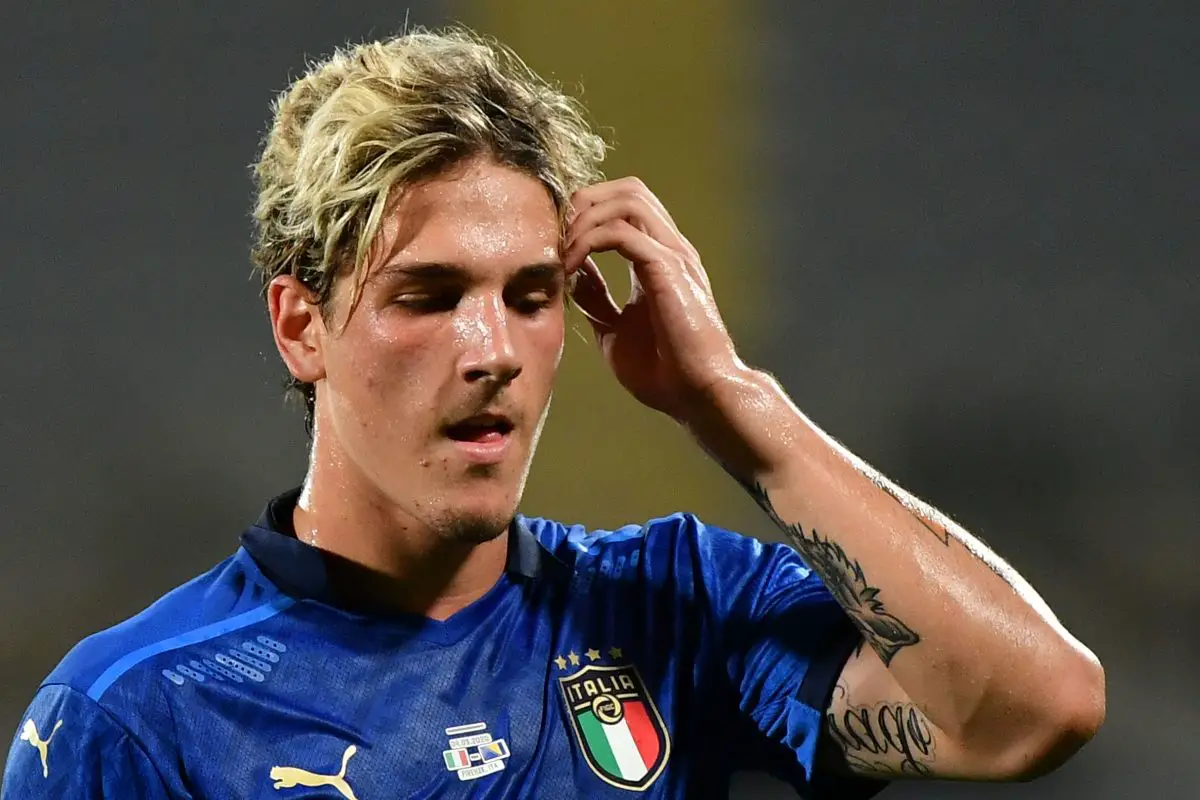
(384, 559)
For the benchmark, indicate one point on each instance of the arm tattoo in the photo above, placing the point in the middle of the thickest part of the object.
(890, 739)
(932, 520)
(935, 526)
(845, 580)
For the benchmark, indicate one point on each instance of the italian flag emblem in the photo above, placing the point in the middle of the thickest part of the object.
(619, 730)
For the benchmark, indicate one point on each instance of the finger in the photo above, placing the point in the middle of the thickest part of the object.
(641, 207)
(618, 235)
(641, 250)
(634, 209)
(597, 193)
(654, 269)
(594, 299)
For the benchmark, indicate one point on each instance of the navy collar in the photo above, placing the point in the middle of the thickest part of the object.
(300, 570)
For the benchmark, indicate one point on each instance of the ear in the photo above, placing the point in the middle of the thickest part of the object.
(298, 328)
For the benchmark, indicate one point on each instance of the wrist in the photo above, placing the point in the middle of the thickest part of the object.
(747, 422)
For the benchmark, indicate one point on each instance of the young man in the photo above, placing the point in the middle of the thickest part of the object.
(392, 628)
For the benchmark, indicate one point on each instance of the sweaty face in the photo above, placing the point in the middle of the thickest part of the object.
(437, 383)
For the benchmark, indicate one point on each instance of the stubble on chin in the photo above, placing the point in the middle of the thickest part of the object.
(472, 529)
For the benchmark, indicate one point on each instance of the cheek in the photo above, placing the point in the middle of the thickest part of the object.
(548, 341)
(379, 359)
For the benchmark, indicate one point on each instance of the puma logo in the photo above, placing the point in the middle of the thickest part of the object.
(289, 777)
(30, 734)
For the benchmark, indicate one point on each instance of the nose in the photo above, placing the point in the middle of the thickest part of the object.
(487, 349)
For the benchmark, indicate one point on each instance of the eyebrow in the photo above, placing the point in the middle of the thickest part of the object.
(437, 270)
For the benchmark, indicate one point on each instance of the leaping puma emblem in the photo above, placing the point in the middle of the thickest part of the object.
(30, 734)
(289, 777)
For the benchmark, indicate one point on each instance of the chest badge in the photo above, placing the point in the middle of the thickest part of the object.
(615, 721)
(473, 752)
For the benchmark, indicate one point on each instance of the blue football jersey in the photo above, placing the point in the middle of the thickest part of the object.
(656, 659)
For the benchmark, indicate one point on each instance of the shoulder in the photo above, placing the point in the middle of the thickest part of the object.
(577, 544)
(680, 546)
(230, 595)
(68, 746)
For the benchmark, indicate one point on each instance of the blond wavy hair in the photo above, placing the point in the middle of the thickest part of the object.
(374, 118)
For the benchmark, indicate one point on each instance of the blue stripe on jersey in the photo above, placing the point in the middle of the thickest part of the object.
(211, 631)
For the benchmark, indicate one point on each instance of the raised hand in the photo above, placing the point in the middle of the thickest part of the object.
(668, 346)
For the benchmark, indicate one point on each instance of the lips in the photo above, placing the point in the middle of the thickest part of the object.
(482, 439)
(480, 428)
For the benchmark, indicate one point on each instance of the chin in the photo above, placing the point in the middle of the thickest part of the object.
(476, 505)
(473, 527)
(478, 517)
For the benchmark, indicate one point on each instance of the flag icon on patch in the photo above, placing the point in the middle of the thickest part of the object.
(457, 759)
(493, 750)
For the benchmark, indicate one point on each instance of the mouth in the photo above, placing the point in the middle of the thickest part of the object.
(483, 438)
(480, 428)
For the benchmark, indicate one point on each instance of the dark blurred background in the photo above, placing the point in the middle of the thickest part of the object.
(963, 235)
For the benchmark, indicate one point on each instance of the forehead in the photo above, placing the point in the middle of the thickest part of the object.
(480, 216)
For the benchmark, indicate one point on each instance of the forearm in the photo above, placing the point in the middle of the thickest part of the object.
(963, 634)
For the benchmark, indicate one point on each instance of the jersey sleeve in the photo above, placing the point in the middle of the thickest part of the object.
(68, 746)
(783, 642)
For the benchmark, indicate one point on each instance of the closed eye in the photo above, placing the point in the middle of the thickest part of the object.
(534, 302)
(435, 288)
(535, 289)
(429, 302)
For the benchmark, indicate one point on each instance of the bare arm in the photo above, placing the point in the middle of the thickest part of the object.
(953, 631)
(968, 673)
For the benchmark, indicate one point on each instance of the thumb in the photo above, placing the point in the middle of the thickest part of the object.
(594, 299)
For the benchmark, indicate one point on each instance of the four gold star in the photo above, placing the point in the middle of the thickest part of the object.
(592, 654)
